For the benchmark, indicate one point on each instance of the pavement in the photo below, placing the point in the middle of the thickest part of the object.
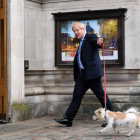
(46, 128)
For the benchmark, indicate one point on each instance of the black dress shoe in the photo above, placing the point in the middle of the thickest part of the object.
(104, 125)
(64, 121)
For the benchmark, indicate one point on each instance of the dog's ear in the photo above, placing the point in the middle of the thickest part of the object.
(99, 111)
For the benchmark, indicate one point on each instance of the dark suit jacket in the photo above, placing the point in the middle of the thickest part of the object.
(89, 58)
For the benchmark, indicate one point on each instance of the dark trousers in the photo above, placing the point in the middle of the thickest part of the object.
(81, 86)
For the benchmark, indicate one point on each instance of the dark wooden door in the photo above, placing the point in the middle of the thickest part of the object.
(3, 60)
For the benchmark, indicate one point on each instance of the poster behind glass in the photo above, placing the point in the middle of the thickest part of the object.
(106, 28)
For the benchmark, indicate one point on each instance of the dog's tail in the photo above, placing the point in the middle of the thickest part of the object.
(132, 110)
(135, 111)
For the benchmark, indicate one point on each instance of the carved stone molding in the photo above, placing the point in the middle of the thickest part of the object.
(49, 1)
(37, 1)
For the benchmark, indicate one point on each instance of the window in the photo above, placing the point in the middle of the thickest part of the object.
(108, 24)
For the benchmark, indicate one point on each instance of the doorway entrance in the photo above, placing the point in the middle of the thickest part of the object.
(3, 61)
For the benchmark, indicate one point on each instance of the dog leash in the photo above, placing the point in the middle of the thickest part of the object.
(105, 102)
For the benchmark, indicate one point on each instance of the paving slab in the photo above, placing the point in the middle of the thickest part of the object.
(46, 128)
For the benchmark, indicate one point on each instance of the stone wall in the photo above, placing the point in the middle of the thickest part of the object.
(40, 29)
(53, 86)
(15, 54)
(33, 21)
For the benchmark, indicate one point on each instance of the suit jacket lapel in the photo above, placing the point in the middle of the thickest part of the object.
(84, 40)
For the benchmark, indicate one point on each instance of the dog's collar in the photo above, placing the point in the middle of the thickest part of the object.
(105, 112)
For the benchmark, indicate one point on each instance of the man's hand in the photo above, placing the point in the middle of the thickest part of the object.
(100, 41)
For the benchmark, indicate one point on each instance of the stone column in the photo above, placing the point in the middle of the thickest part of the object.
(15, 54)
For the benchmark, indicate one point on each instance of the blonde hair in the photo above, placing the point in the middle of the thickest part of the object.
(78, 24)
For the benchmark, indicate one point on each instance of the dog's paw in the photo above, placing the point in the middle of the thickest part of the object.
(128, 135)
(100, 131)
(118, 132)
(138, 126)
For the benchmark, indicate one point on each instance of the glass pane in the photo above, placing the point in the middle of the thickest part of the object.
(107, 28)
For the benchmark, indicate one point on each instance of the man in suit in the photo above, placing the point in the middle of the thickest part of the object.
(87, 72)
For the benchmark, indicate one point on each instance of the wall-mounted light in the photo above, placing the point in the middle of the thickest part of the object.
(26, 64)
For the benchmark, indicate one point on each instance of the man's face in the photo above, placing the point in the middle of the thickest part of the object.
(79, 33)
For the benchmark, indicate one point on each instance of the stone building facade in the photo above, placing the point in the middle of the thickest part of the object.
(46, 89)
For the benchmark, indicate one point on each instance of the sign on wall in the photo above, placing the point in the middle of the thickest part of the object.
(108, 24)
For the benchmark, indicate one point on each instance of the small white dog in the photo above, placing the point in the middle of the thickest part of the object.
(115, 119)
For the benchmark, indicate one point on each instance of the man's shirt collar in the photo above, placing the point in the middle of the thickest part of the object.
(83, 37)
